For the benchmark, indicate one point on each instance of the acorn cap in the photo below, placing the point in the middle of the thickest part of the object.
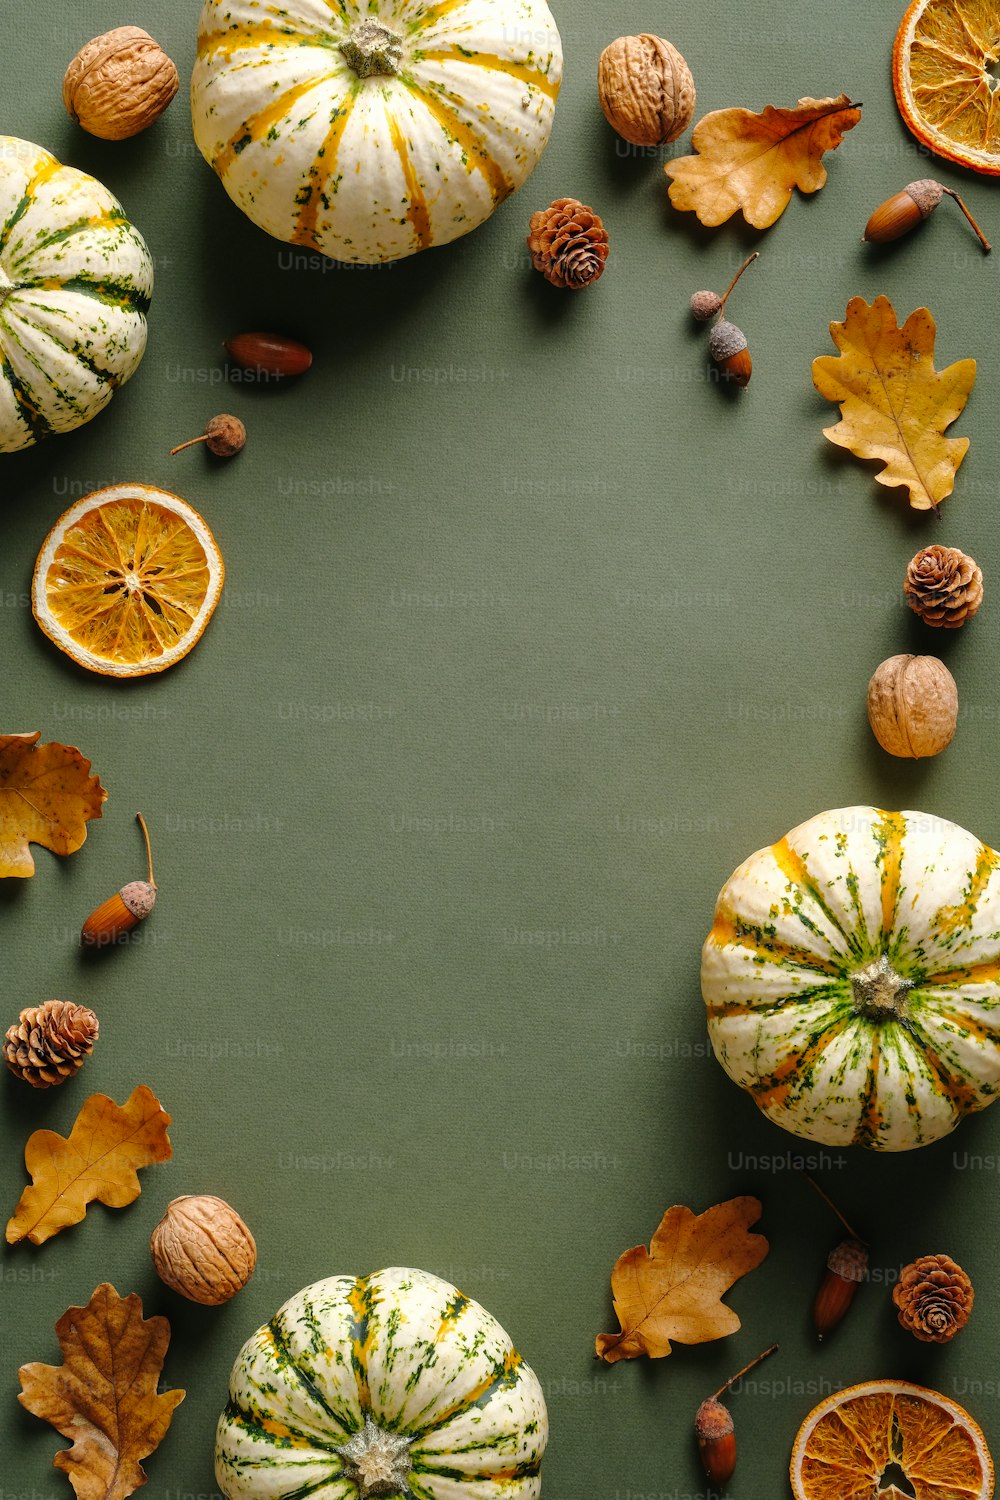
(713, 1420)
(139, 896)
(705, 305)
(849, 1261)
(926, 194)
(725, 340)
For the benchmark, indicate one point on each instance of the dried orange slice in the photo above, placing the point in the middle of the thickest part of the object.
(944, 73)
(127, 580)
(890, 1438)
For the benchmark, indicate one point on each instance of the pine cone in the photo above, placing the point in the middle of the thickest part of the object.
(943, 586)
(934, 1298)
(50, 1043)
(568, 243)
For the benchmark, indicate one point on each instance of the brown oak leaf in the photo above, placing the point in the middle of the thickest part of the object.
(104, 1395)
(673, 1289)
(894, 405)
(97, 1161)
(47, 796)
(753, 161)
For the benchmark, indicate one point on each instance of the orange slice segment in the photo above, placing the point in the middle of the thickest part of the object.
(127, 580)
(859, 1441)
(944, 73)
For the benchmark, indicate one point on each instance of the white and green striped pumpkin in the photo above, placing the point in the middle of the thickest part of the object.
(852, 978)
(75, 283)
(389, 1384)
(370, 129)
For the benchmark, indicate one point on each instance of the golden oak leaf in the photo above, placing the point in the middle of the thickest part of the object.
(96, 1162)
(104, 1394)
(752, 162)
(47, 796)
(894, 405)
(673, 1289)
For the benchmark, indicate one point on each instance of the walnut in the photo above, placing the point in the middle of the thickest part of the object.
(119, 83)
(202, 1249)
(646, 90)
(913, 705)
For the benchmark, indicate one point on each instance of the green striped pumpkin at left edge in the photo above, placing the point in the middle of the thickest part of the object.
(394, 1384)
(75, 282)
(852, 978)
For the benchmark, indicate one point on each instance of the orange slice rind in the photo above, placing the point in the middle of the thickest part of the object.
(127, 580)
(849, 1445)
(944, 66)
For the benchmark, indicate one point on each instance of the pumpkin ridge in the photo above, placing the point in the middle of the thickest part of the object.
(503, 1377)
(962, 1097)
(793, 866)
(75, 351)
(362, 1301)
(268, 1429)
(114, 294)
(261, 33)
(433, 13)
(253, 129)
(38, 425)
(48, 169)
(475, 149)
(313, 194)
(416, 213)
(775, 1087)
(112, 218)
(889, 835)
(286, 1361)
(953, 919)
(492, 60)
(729, 928)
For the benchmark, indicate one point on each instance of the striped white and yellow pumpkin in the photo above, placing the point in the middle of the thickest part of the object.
(370, 129)
(390, 1384)
(75, 283)
(852, 978)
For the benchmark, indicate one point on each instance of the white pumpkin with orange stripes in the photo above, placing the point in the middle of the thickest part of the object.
(368, 131)
(852, 978)
(389, 1384)
(75, 283)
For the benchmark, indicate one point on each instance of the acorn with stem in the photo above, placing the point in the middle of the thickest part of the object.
(727, 344)
(224, 436)
(714, 1431)
(910, 207)
(846, 1269)
(125, 910)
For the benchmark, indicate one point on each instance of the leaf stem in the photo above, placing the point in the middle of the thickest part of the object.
(749, 260)
(149, 853)
(745, 1371)
(987, 247)
(831, 1205)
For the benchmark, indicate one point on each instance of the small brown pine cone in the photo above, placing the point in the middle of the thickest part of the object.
(934, 1298)
(50, 1042)
(568, 243)
(943, 586)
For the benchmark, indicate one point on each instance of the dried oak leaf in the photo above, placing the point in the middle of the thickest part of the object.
(104, 1395)
(47, 796)
(97, 1161)
(673, 1289)
(753, 161)
(894, 405)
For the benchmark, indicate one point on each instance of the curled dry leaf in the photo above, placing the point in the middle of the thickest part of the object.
(673, 1290)
(104, 1394)
(47, 796)
(894, 405)
(753, 161)
(96, 1162)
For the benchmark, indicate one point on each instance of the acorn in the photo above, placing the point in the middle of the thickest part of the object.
(224, 435)
(706, 304)
(727, 345)
(120, 913)
(846, 1269)
(910, 207)
(714, 1431)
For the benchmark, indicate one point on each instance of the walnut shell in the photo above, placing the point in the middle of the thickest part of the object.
(646, 90)
(913, 706)
(202, 1249)
(119, 83)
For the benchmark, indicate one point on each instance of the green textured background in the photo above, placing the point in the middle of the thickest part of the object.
(530, 634)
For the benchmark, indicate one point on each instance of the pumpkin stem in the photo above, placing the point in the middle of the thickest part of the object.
(378, 1462)
(879, 992)
(372, 49)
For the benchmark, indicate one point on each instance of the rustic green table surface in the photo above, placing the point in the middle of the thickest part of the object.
(529, 636)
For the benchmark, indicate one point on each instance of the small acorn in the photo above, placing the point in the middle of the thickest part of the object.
(714, 1430)
(120, 913)
(910, 207)
(705, 304)
(846, 1269)
(224, 436)
(727, 345)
